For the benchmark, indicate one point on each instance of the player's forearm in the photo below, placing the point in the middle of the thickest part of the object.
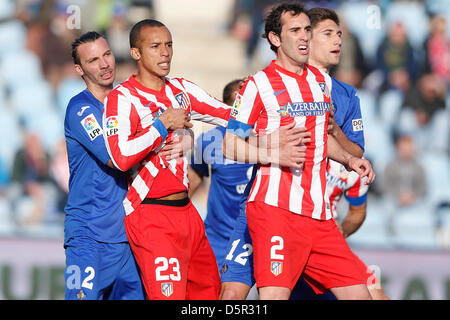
(336, 152)
(244, 150)
(354, 219)
(353, 148)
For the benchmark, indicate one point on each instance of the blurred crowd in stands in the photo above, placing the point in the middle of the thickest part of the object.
(396, 53)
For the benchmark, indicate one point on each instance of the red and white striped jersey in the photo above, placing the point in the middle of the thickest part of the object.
(264, 103)
(134, 134)
(341, 182)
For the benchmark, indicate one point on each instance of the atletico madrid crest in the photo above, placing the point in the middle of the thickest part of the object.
(276, 267)
(324, 88)
(183, 101)
(167, 288)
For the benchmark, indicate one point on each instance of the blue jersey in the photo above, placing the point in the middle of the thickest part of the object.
(228, 180)
(348, 111)
(94, 206)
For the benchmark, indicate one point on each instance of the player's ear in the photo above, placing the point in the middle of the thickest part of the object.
(135, 53)
(79, 70)
(274, 39)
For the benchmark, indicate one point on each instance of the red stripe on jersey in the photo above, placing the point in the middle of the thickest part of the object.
(282, 95)
(354, 191)
(310, 125)
(327, 98)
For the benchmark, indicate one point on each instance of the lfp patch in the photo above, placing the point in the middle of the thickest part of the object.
(91, 126)
(236, 105)
(111, 126)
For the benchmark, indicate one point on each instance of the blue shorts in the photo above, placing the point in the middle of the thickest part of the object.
(218, 243)
(101, 271)
(238, 263)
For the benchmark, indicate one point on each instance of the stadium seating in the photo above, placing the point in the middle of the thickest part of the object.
(374, 231)
(416, 21)
(414, 227)
(12, 36)
(66, 90)
(20, 68)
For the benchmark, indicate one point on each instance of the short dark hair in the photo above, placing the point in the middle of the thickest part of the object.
(90, 36)
(273, 19)
(318, 14)
(228, 90)
(135, 32)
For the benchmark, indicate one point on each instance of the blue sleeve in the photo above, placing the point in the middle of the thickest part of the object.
(356, 201)
(197, 160)
(87, 130)
(348, 112)
(353, 124)
(238, 128)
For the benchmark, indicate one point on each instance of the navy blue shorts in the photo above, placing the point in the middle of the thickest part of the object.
(101, 271)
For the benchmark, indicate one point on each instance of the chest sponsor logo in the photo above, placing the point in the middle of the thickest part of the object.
(91, 126)
(304, 109)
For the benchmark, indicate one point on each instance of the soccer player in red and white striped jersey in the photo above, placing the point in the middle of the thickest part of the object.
(288, 214)
(165, 231)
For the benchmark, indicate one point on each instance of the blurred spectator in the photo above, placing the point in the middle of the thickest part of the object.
(352, 68)
(427, 97)
(395, 58)
(60, 173)
(117, 34)
(30, 171)
(404, 180)
(437, 49)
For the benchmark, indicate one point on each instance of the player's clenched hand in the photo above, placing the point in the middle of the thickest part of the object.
(288, 134)
(175, 119)
(181, 143)
(362, 167)
(288, 155)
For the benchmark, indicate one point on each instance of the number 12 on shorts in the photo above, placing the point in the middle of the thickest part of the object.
(242, 257)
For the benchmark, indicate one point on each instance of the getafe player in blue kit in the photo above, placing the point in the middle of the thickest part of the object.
(99, 262)
(237, 273)
(228, 180)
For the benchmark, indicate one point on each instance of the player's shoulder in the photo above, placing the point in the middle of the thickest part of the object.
(343, 88)
(79, 103)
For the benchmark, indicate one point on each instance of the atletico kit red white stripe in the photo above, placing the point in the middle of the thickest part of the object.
(340, 183)
(133, 131)
(269, 98)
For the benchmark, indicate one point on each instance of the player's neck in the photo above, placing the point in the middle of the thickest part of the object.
(150, 81)
(99, 92)
(318, 65)
(290, 65)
